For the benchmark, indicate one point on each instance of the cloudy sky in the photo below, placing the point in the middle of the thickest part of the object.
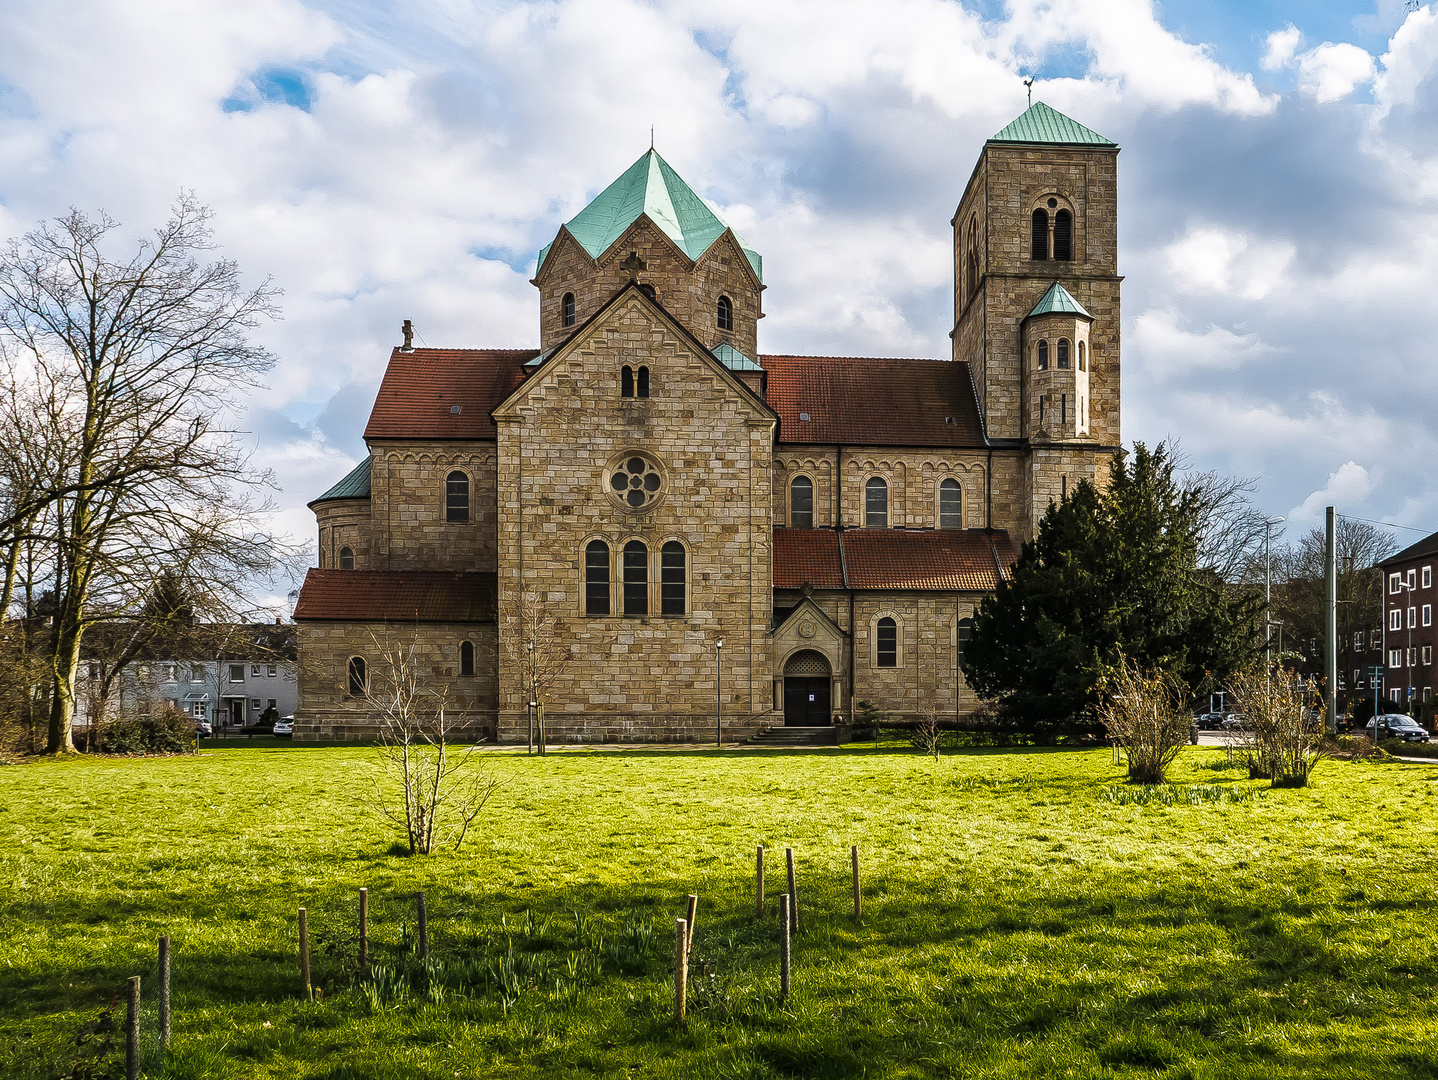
(1278, 188)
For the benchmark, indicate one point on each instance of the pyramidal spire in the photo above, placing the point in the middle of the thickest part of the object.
(1042, 124)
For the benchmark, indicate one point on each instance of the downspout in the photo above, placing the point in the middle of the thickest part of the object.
(844, 570)
(989, 490)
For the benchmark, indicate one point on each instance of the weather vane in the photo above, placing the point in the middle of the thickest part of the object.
(1030, 84)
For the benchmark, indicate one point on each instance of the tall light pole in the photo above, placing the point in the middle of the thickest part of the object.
(1268, 525)
(718, 695)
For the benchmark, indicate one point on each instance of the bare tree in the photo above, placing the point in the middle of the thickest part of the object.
(927, 733)
(120, 464)
(1231, 528)
(442, 785)
(544, 654)
(1145, 714)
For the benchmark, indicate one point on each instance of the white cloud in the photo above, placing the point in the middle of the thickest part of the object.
(1212, 259)
(1167, 351)
(1410, 59)
(1348, 487)
(1332, 72)
(1280, 48)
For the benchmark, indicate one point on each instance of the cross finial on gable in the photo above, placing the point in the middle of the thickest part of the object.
(633, 264)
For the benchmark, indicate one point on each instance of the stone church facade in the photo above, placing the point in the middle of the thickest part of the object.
(577, 528)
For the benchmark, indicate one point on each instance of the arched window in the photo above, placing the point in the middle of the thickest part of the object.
(648, 290)
(801, 503)
(456, 497)
(876, 503)
(1039, 249)
(1063, 361)
(951, 505)
(1064, 236)
(963, 632)
(1043, 355)
(726, 313)
(671, 578)
(466, 659)
(886, 647)
(643, 382)
(359, 680)
(1082, 367)
(568, 305)
(973, 254)
(626, 381)
(347, 558)
(596, 578)
(636, 579)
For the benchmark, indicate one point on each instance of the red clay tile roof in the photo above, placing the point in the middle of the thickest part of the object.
(398, 596)
(871, 401)
(807, 556)
(938, 559)
(420, 389)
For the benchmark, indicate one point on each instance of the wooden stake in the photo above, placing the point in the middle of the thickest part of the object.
(689, 920)
(784, 948)
(793, 894)
(1115, 754)
(759, 882)
(304, 956)
(165, 990)
(423, 927)
(681, 968)
(364, 931)
(858, 900)
(132, 1031)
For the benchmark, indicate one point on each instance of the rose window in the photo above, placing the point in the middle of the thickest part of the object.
(636, 481)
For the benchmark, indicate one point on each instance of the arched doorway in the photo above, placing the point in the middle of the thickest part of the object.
(806, 690)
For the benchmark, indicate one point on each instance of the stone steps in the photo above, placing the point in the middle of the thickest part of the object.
(786, 737)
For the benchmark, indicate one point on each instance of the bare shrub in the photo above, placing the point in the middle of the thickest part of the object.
(927, 734)
(442, 786)
(1275, 734)
(1145, 714)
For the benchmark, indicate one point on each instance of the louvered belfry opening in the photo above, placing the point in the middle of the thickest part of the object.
(1040, 248)
(1064, 236)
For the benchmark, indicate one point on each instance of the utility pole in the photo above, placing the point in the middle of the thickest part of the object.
(1330, 666)
(1268, 591)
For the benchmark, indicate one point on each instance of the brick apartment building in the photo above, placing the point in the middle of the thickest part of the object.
(1408, 631)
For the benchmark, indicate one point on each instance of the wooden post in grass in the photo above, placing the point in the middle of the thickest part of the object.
(784, 948)
(364, 931)
(423, 927)
(689, 922)
(165, 990)
(858, 901)
(1115, 753)
(681, 968)
(132, 1031)
(793, 894)
(304, 955)
(759, 882)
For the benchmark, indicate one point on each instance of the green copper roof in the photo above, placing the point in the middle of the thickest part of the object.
(1040, 124)
(733, 359)
(650, 186)
(355, 485)
(1058, 301)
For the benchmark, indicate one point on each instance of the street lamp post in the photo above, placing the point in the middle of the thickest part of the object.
(718, 695)
(1268, 525)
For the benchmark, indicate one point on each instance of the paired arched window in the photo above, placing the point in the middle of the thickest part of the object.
(636, 579)
(456, 497)
(1039, 248)
(671, 578)
(1063, 236)
(1043, 355)
(634, 383)
(726, 313)
(466, 658)
(951, 505)
(886, 645)
(568, 307)
(801, 503)
(347, 558)
(1082, 366)
(876, 503)
(1063, 351)
(596, 578)
(359, 678)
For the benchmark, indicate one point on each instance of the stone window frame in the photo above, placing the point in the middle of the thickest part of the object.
(1062, 359)
(1050, 203)
(888, 501)
(623, 549)
(468, 496)
(789, 497)
(1041, 354)
(939, 482)
(724, 315)
(654, 568)
(463, 645)
(656, 580)
(874, 620)
(634, 382)
(973, 253)
(614, 464)
(356, 674)
(567, 310)
(583, 592)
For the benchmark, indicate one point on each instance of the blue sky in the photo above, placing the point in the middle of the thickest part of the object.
(1278, 189)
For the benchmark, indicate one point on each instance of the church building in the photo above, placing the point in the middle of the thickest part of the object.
(646, 528)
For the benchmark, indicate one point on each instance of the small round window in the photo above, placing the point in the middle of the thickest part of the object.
(635, 481)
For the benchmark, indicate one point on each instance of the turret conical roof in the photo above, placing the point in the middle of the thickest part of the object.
(1058, 301)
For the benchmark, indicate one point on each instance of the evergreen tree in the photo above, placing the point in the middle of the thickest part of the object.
(1111, 574)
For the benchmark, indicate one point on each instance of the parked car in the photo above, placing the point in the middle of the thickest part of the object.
(1396, 726)
(203, 729)
(285, 725)
(1235, 722)
(1209, 721)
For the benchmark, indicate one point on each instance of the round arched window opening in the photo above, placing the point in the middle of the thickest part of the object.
(635, 481)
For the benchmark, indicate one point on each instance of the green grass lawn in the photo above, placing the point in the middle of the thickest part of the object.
(1019, 920)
